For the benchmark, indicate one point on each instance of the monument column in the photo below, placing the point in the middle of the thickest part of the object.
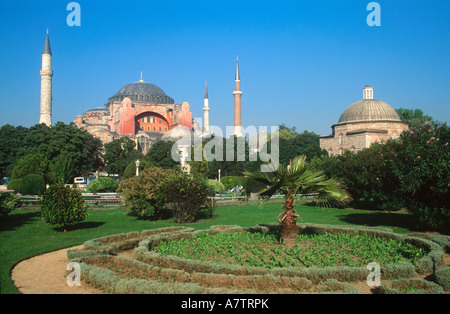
(237, 102)
(46, 84)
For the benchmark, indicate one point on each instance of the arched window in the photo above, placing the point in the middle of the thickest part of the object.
(341, 139)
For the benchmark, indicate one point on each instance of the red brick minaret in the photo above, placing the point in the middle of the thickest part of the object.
(237, 102)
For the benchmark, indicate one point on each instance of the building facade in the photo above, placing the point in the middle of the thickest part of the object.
(364, 122)
(140, 111)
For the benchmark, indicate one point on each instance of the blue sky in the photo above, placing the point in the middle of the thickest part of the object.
(302, 62)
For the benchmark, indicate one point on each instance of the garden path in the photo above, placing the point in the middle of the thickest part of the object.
(46, 274)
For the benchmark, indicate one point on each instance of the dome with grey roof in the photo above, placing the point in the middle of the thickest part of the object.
(369, 109)
(142, 92)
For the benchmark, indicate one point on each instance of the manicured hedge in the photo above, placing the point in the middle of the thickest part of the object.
(208, 277)
(409, 286)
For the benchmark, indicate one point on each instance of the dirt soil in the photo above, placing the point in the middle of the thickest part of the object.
(46, 274)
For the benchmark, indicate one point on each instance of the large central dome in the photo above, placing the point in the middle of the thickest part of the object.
(369, 109)
(142, 92)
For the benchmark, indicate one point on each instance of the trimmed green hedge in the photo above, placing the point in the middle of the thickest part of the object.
(204, 277)
(409, 286)
(443, 277)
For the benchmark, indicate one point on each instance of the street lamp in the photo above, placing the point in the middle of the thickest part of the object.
(219, 175)
(137, 167)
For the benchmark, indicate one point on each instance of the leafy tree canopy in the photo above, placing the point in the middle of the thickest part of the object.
(119, 153)
(160, 155)
(68, 140)
(414, 117)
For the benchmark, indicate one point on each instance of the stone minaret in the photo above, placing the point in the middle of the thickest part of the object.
(237, 102)
(206, 110)
(46, 84)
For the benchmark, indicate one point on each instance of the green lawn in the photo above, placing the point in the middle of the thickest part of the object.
(23, 234)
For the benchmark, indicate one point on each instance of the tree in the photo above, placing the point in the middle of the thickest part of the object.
(142, 195)
(414, 117)
(63, 169)
(33, 164)
(422, 166)
(293, 180)
(235, 166)
(8, 202)
(11, 140)
(187, 194)
(292, 144)
(32, 184)
(130, 170)
(119, 153)
(67, 140)
(102, 184)
(63, 206)
(160, 155)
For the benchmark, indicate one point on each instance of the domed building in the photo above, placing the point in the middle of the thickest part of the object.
(141, 111)
(364, 122)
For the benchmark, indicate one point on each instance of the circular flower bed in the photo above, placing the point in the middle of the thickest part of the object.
(232, 259)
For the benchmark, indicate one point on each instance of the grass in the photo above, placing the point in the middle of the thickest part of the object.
(23, 234)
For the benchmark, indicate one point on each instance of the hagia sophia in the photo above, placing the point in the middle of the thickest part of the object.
(143, 112)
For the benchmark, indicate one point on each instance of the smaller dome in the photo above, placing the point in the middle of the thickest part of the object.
(176, 133)
(369, 109)
(98, 109)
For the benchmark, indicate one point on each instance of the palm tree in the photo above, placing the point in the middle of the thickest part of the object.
(297, 178)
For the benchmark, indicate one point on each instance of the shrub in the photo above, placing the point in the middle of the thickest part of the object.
(130, 170)
(32, 184)
(33, 164)
(443, 277)
(8, 202)
(102, 184)
(409, 172)
(231, 181)
(187, 194)
(253, 186)
(216, 187)
(63, 206)
(14, 184)
(142, 194)
(423, 166)
(409, 286)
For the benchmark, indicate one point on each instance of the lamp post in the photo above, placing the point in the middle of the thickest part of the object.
(219, 175)
(137, 167)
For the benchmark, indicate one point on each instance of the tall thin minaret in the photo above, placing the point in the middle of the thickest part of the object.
(206, 110)
(46, 84)
(237, 102)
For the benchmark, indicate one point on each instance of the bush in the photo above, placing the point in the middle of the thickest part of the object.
(14, 185)
(443, 277)
(409, 286)
(102, 184)
(423, 166)
(33, 164)
(142, 195)
(8, 202)
(253, 186)
(63, 206)
(231, 181)
(187, 194)
(130, 170)
(32, 184)
(409, 172)
(216, 187)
